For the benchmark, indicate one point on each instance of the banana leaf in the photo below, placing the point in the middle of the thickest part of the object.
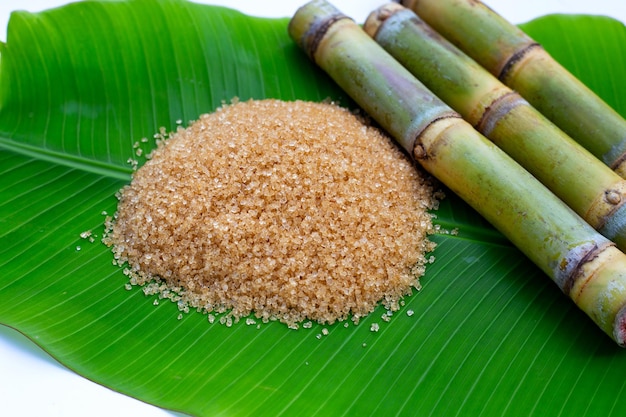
(84, 85)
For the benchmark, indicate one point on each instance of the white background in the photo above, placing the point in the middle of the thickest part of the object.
(34, 384)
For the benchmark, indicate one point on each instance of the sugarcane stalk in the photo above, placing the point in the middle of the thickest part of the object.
(577, 177)
(555, 238)
(522, 64)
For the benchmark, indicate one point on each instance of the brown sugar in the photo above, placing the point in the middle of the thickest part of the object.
(287, 211)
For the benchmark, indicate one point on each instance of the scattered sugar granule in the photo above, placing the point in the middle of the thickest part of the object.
(325, 331)
(133, 163)
(410, 313)
(284, 210)
(374, 327)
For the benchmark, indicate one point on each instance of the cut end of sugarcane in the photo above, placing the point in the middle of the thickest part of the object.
(377, 17)
(619, 327)
(310, 23)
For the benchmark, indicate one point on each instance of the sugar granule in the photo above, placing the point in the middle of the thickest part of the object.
(289, 211)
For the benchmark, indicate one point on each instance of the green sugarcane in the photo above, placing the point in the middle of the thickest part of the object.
(522, 64)
(582, 181)
(583, 263)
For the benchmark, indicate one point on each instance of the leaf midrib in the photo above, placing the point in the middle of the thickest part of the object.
(68, 160)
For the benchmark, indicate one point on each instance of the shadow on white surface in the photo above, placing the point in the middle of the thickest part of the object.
(47, 388)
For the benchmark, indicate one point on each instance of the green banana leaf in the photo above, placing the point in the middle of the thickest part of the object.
(82, 85)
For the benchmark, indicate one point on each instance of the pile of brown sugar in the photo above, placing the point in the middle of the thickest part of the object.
(290, 211)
